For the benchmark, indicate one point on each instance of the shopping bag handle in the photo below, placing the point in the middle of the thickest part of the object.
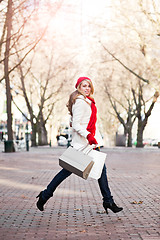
(85, 150)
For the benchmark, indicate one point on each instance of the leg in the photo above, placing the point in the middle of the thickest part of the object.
(104, 187)
(61, 176)
(48, 192)
(108, 201)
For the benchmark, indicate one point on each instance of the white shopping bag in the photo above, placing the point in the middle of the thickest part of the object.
(99, 160)
(76, 161)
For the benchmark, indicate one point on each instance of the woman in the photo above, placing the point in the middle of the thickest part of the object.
(81, 106)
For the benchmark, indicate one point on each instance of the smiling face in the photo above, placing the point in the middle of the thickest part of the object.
(85, 88)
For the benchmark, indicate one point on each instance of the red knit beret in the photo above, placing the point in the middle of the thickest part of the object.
(80, 80)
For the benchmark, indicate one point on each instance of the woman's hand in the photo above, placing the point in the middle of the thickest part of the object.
(91, 139)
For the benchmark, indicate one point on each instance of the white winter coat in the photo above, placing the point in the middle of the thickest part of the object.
(81, 112)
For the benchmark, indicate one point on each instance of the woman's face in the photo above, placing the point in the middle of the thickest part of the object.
(85, 88)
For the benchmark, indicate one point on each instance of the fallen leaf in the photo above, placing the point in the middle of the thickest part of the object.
(77, 209)
(101, 212)
(23, 196)
(62, 214)
(135, 202)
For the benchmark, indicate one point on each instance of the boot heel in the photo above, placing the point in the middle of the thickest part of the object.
(40, 203)
(106, 211)
(112, 206)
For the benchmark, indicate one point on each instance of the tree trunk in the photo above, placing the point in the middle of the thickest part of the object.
(42, 135)
(33, 136)
(142, 124)
(42, 132)
(129, 143)
(6, 73)
(140, 134)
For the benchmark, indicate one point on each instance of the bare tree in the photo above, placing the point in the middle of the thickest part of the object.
(141, 113)
(6, 41)
(138, 110)
(6, 70)
(128, 110)
(143, 61)
(38, 121)
(41, 90)
(17, 20)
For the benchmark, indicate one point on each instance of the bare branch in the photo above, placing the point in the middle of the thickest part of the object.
(22, 59)
(2, 37)
(134, 96)
(138, 76)
(114, 107)
(20, 110)
(50, 112)
(24, 91)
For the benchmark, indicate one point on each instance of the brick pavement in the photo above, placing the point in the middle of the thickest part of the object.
(75, 211)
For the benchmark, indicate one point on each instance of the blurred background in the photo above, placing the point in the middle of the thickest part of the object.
(45, 45)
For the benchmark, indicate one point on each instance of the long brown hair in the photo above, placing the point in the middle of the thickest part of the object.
(74, 95)
(72, 98)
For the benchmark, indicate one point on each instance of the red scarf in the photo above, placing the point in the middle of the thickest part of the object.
(92, 122)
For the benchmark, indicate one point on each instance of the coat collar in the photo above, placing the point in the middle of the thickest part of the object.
(85, 99)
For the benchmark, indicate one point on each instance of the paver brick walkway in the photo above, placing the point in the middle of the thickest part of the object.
(75, 211)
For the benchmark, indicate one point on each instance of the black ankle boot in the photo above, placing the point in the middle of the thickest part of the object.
(40, 202)
(112, 206)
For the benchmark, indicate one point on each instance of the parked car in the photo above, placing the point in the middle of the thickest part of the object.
(64, 136)
(154, 142)
(62, 141)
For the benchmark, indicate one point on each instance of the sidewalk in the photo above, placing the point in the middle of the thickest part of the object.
(75, 211)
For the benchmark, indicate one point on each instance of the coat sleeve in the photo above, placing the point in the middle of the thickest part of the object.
(78, 111)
